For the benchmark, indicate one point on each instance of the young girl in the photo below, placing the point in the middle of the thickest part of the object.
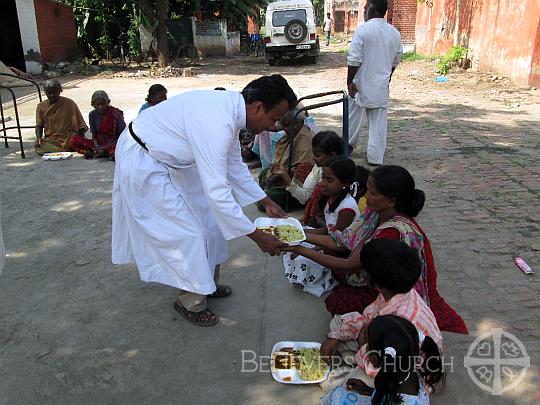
(341, 209)
(156, 94)
(324, 145)
(410, 367)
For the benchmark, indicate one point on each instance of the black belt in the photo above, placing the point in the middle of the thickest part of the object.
(137, 139)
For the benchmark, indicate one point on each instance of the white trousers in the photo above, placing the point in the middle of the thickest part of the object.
(377, 129)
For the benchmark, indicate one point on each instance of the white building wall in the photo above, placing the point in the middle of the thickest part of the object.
(29, 35)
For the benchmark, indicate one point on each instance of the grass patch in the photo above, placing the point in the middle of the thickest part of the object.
(412, 56)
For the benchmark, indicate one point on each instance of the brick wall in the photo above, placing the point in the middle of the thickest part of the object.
(56, 30)
(402, 15)
(501, 36)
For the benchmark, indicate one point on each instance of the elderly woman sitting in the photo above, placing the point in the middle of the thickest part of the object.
(275, 179)
(59, 119)
(106, 124)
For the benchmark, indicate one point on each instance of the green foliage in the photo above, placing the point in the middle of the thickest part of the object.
(456, 53)
(412, 56)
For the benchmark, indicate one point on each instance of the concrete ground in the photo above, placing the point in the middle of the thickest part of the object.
(74, 329)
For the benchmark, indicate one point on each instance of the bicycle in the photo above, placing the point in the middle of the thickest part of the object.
(185, 55)
(119, 55)
(146, 58)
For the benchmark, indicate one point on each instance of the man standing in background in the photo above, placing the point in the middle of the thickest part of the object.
(374, 53)
(327, 27)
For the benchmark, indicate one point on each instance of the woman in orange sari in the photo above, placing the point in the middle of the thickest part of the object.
(59, 119)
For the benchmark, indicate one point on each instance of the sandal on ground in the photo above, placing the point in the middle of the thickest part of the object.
(203, 318)
(222, 291)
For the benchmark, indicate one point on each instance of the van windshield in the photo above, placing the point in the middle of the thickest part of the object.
(281, 18)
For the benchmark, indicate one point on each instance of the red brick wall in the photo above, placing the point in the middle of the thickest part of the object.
(402, 15)
(502, 36)
(56, 30)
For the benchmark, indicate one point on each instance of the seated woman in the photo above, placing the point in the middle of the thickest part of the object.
(264, 146)
(156, 94)
(392, 203)
(59, 119)
(274, 179)
(392, 268)
(106, 125)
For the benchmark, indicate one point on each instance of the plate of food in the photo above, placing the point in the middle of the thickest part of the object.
(298, 363)
(57, 156)
(288, 230)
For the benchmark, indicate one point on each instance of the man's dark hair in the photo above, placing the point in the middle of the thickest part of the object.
(381, 6)
(391, 264)
(271, 90)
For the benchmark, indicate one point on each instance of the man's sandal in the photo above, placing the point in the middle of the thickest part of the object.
(203, 318)
(222, 291)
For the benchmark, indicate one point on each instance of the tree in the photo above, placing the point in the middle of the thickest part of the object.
(156, 12)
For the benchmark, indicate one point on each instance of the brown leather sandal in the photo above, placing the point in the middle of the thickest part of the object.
(202, 318)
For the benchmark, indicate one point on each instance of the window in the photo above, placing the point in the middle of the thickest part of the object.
(281, 18)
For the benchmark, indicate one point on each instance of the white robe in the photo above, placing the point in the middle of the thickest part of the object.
(376, 48)
(175, 205)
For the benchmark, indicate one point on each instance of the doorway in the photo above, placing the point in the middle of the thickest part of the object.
(11, 50)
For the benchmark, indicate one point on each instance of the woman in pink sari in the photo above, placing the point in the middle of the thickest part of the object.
(392, 203)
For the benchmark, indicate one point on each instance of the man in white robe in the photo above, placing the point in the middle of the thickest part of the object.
(180, 185)
(374, 53)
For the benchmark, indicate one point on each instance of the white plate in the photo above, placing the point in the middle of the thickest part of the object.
(265, 221)
(280, 374)
(57, 156)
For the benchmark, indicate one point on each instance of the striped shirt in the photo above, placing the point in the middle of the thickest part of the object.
(410, 306)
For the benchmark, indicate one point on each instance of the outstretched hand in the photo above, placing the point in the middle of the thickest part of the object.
(272, 209)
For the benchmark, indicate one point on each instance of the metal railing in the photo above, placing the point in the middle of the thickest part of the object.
(18, 127)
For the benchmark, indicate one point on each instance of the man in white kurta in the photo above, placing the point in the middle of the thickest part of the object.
(374, 53)
(180, 185)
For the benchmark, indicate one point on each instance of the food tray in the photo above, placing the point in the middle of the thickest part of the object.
(262, 222)
(290, 376)
(57, 156)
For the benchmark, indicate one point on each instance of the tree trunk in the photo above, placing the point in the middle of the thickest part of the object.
(162, 45)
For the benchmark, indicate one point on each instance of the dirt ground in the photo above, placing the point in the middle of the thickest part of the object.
(75, 329)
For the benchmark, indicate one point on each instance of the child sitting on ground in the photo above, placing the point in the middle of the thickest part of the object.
(340, 184)
(392, 268)
(156, 94)
(410, 366)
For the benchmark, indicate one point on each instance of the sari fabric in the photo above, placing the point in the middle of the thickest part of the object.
(354, 294)
(60, 121)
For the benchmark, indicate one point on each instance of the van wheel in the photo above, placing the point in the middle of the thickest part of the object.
(271, 62)
(311, 60)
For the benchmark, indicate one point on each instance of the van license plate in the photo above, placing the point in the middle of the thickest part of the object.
(303, 46)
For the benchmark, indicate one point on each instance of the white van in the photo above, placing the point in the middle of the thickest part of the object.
(291, 31)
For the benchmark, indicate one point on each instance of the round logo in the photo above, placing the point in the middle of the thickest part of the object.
(497, 361)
